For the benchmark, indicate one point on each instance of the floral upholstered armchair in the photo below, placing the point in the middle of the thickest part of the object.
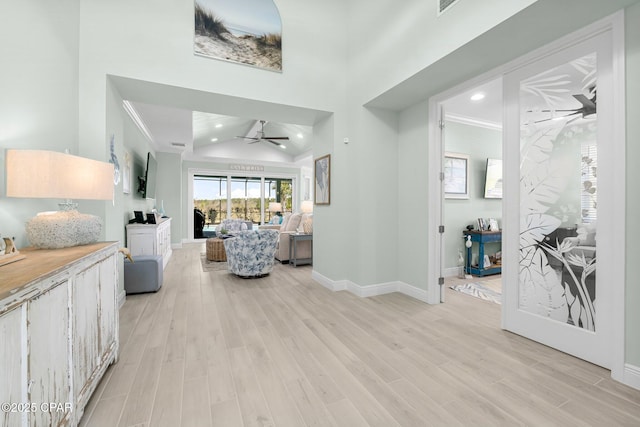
(251, 252)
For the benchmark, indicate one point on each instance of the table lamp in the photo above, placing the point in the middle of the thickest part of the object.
(53, 175)
(307, 222)
(306, 206)
(275, 207)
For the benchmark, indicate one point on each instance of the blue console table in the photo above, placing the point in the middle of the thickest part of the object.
(482, 237)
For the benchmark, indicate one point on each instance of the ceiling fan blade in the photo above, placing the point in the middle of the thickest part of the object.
(247, 137)
(253, 141)
(273, 142)
(286, 138)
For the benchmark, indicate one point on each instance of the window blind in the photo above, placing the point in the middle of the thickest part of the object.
(589, 183)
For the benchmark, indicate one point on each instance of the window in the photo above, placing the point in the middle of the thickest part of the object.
(210, 196)
(238, 197)
(589, 183)
(246, 199)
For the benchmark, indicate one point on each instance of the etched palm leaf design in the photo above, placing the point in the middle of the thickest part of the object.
(552, 278)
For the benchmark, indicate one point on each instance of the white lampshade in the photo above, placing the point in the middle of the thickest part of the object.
(306, 206)
(275, 207)
(52, 175)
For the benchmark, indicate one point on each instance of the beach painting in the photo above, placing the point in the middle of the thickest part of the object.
(242, 31)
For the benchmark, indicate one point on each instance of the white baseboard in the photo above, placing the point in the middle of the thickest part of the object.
(122, 296)
(371, 290)
(632, 376)
(451, 272)
(176, 245)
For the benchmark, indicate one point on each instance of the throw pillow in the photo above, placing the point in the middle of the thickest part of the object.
(285, 220)
(293, 223)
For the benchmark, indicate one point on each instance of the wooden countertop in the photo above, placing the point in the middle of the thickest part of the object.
(40, 263)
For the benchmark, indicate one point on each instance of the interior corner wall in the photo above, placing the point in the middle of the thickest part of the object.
(39, 93)
(632, 41)
(479, 144)
(333, 237)
(137, 146)
(413, 197)
(375, 147)
(169, 190)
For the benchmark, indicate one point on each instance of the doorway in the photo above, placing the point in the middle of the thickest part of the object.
(602, 38)
(472, 191)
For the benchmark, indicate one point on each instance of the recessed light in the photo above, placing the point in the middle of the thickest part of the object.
(283, 147)
(219, 125)
(477, 96)
(214, 139)
(300, 136)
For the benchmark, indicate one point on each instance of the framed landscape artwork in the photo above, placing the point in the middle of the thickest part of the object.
(456, 176)
(322, 173)
(243, 31)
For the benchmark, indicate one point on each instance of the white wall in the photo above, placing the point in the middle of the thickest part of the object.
(38, 92)
(413, 196)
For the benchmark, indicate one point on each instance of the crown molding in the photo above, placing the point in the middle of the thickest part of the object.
(457, 118)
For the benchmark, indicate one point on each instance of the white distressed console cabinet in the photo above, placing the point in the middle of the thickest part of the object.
(150, 239)
(59, 332)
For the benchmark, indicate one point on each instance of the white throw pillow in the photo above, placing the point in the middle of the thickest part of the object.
(293, 223)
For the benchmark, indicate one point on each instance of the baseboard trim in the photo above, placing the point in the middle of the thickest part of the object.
(370, 290)
(632, 376)
(451, 272)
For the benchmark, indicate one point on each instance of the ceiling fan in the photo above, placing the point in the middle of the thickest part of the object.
(588, 108)
(260, 136)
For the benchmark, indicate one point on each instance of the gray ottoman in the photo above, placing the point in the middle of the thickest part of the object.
(144, 274)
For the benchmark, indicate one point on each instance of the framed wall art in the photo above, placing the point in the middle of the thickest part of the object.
(456, 176)
(126, 173)
(322, 173)
(242, 31)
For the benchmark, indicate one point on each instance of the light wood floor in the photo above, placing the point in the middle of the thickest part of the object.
(213, 349)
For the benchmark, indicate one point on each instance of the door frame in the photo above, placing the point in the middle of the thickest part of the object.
(615, 24)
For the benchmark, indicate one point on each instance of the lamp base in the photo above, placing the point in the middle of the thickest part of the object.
(63, 229)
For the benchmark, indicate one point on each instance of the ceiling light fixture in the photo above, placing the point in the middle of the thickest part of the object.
(214, 139)
(283, 147)
(219, 125)
(477, 96)
(300, 136)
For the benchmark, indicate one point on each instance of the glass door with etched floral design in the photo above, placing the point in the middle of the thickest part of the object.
(554, 133)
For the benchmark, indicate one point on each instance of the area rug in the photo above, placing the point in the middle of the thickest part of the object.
(212, 265)
(487, 291)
